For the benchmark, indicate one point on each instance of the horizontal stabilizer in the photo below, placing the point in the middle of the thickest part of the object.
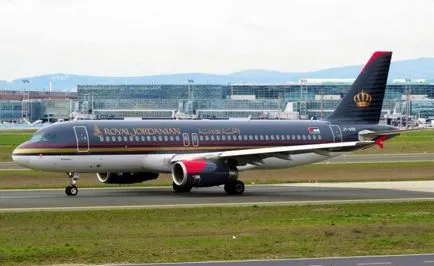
(367, 135)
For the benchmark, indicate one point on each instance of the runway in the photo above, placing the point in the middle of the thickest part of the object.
(398, 260)
(373, 158)
(159, 197)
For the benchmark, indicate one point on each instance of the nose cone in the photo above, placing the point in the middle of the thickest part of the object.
(18, 158)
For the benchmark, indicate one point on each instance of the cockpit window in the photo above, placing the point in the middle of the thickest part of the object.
(40, 137)
(36, 138)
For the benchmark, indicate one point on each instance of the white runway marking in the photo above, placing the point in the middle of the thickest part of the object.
(375, 263)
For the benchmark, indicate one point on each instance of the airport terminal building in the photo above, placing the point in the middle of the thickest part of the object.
(16, 106)
(304, 99)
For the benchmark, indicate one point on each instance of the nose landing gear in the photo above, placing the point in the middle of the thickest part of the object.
(71, 189)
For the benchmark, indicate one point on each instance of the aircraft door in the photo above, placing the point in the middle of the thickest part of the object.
(195, 139)
(82, 138)
(337, 133)
(186, 139)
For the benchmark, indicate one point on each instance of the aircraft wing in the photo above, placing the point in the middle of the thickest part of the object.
(284, 152)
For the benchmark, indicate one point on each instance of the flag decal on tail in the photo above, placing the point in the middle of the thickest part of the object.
(313, 130)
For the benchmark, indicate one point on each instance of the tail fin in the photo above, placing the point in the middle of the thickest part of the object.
(363, 102)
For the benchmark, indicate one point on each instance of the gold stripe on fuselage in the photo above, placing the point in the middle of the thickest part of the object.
(129, 149)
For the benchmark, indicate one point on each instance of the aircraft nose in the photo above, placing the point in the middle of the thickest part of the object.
(19, 159)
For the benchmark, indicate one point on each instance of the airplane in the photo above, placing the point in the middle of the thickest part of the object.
(204, 153)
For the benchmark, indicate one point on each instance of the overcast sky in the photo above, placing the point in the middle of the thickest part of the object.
(142, 37)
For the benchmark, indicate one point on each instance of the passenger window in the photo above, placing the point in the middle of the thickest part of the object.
(277, 137)
(142, 138)
(177, 138)
(319, 137)
(154, 138)
(101, 139)
(212, 138)
(166, 138)
(131, 138)
(107, 138)
(136, 138)
(148, 138)
(309, 137)
(293, 137)
(304, 137)
(241, 137)
(261, 137)
(266, 137)
(314, 137)
(288, 137)
(272, 137)
(223, 137)
(298, 137)
(250, 137)
(217, 137)
(119, 138)
(206, 137)
(172, 138)
(256, 137)
(113, 138)
(125, 138)
(201, 138)
(160, 138)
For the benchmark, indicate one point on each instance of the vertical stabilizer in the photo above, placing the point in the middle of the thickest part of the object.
(363, 102)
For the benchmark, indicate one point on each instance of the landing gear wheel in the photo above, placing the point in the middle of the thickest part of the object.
(181, 189)
(71, 190)
(235, 188)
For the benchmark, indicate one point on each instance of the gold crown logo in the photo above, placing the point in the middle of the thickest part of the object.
(362, 99)
(96, 131)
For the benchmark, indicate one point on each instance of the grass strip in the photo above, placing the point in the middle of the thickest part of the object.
(173, 235)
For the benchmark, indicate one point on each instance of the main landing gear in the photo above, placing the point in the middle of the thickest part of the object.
(71, 189)
(235, 188)
(181, 189)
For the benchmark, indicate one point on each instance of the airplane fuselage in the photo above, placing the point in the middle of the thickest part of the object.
(134, 146)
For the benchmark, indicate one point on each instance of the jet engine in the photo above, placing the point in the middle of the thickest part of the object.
(125, 178)
(203, 173)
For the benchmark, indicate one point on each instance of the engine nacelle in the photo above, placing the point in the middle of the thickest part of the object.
(203, 173)
(125, 178)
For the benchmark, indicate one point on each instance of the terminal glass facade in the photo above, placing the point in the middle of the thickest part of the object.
(267, 101)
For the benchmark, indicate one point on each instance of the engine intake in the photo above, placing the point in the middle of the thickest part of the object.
(203, 173)
(125, 178)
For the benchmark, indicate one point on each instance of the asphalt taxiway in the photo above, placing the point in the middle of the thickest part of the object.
(398, 260)
(154, 197)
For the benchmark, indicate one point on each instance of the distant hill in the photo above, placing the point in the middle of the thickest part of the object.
(414, 68)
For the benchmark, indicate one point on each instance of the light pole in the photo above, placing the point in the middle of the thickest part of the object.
(190, 89)
(408, 81)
